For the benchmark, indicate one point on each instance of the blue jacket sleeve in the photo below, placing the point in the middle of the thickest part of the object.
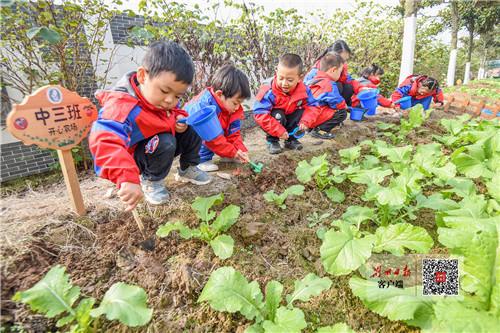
(265, 105)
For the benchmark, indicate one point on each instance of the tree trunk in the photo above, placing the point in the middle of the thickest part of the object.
(469, 55)
(409, 37)
(452, 64)
(482, 64)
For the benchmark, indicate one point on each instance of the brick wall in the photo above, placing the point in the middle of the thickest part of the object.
(121, 26)
(18, 160)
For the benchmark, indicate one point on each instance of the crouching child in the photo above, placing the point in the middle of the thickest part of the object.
(136, 136)
(228, 90)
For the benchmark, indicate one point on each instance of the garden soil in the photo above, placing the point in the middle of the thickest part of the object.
(39, 231)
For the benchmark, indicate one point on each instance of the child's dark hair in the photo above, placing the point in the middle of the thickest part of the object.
(338, 47)
(430, 82)
(231, 81)
(163, 56)
(330, 60)
(373, 69)
(292, 60)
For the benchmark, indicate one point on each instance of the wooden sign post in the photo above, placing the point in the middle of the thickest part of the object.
(56, 118)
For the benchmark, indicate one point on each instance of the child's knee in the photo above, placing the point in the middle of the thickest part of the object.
(279, 115)
(167, 144)
(342, 114)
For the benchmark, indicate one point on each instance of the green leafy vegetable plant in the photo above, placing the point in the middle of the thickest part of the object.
(279, 200)
(55, 296)
(228, 290)
(345, 250)
(210, 230)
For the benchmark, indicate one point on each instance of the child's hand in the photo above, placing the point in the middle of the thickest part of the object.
(130, 194)
(439, 104)
(284, 136)
(180, 128)
(303, 127)
(242, 156)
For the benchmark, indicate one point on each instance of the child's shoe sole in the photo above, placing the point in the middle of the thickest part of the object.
(182, 179)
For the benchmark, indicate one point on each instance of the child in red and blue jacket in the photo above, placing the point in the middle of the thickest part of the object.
(229, 89)
(281, 103)
(136, 136)
(422, 89)
(344, 83)
(370, 79)
(332, 110)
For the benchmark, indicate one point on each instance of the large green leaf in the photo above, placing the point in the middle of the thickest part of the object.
(394, 303)
(274, 289)
(453, 316)
(52, 295)
(167, 228)
(311, 285)
(446, 172)
(342, 252)
(305, 171)
(494, 186)
(334, 194)
(349, 155)
(396, 237)
(294, 190)
(474, 162)
(475, 237)
(50, 35)
(392, 196)
(427, 155)
(126, 303)
(436, 202)
(369, 177)
(202, 206)
(227, 217)
(370, 162)
(222, 246)
(396, 154)
(228, 290)
(286, 321)
(358, 214)
(463, 187)
(453, 126)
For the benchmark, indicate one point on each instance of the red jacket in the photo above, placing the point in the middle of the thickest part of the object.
(325, 91)
(228, 143)
(362, 84)
(125, 119)
(270, 97)
(409, 87)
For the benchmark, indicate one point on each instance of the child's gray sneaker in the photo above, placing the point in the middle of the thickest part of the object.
(274, 148)
(155, 191)
(293, 145)
(192, 175)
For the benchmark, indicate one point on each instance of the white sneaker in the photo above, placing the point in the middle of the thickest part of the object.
(208, 166)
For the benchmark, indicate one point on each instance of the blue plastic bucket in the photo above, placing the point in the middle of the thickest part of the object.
(404, 102)
(205, 123)
(489, 112)
(426, 103)
(368, 99)
(357, 113)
